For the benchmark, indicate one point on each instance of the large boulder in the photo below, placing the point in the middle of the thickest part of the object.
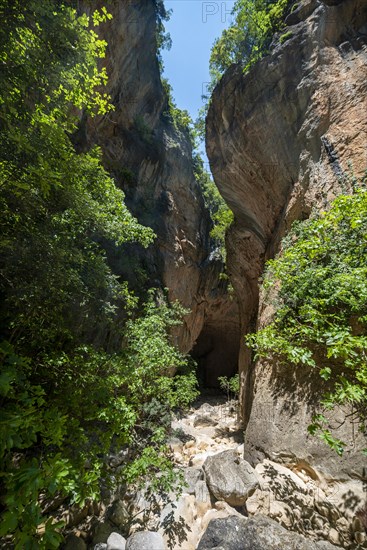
(258, 533)
(145, 540)
(230, 478)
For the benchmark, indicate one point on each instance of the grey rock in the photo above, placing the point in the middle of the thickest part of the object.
(201, 492)
(145, 540)
(230, 478)
(100, 546)
(260, 194)
(116, 542)
(304, 10)
(192, 476)
(73, 542)
(228, 532)
(102, 531)
(257, 533)
(118, 514)
(204, 420)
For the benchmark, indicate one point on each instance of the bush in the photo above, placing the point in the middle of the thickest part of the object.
(321, 310)
(83, 374)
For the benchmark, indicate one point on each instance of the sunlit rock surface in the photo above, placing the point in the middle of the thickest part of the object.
(278, 140)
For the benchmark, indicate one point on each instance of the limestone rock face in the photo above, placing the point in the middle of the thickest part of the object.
(150, 158)
(278, 140)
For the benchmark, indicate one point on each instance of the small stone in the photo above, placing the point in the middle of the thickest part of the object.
(116, 542)
(100, 546)
(198, 460)
(204, 420)
(360, 537)
(333, 536)
(342, 525)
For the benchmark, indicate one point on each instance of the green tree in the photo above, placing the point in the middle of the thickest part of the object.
(249, 38)
(80, 364)
(321, 313)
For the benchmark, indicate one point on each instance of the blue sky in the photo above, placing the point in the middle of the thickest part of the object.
(194, 25)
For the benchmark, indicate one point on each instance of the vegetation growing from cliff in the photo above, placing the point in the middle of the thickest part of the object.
(246, 41)
(86, 371)
(249, 38)
(220, 213)
(320, 280)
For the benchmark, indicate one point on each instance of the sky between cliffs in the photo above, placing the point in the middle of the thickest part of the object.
(193, 26)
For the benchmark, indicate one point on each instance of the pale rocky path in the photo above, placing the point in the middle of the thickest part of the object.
(212, 426)
(208, 428)
(296, 497)
(207, 446)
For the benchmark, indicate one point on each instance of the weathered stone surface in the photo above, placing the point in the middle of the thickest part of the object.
(118, 514)
(278, 140)
(145, 540)
(230, 478)
(192, 476)
(116, 542)
(101, 531)
(204, 420)
(73, 542)
(228, 533)
(151, 161)
(258, 533)
(301, 500)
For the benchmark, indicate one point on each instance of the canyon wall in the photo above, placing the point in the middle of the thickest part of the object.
(151, 160)
(278, 140)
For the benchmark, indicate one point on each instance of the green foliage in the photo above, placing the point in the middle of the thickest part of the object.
(82, 373)
(321, 310)
(220, 213)
(286, 36)
(230, 385)
(113, 401)
(163, 39)
(248, 39)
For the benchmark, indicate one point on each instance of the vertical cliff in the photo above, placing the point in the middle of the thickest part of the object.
(279, 138)
(151, 159)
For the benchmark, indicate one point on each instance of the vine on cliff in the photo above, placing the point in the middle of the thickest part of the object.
(321, 312)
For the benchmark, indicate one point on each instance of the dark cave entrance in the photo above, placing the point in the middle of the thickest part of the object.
(216, 352)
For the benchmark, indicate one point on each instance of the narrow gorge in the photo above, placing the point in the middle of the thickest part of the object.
(151, 159)
(284, 138)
